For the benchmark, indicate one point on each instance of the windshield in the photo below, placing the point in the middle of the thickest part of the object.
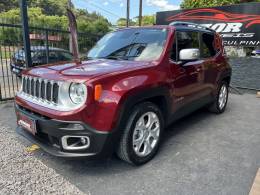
(130, 44)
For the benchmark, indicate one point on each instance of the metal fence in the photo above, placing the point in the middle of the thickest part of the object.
(246, 71)
(43, 40)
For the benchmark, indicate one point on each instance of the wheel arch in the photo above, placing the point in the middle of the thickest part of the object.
(157, 95)
(227, 79)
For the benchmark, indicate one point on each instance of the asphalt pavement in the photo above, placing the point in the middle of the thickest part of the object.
(203, 153)
(245, 72)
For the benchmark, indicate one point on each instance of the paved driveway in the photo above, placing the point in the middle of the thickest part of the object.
(201, 154)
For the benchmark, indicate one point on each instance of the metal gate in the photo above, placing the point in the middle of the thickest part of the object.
(10, 40)
(11, 43)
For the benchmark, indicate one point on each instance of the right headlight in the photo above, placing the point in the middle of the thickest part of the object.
(72, 95)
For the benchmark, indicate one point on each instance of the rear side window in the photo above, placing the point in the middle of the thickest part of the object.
(184, 40)
(207, 45)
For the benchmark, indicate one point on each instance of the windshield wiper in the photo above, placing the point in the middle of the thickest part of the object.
(127, 57)
(113, 57)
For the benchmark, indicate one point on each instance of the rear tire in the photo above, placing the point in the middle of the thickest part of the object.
(221, 99)
(142, 134)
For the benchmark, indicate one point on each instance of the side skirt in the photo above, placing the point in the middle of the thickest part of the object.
(189, 108)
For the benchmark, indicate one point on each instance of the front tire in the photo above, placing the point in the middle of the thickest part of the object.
(142, 134)
(220, 102)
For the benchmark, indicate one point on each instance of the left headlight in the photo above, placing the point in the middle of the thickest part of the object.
(78, 93)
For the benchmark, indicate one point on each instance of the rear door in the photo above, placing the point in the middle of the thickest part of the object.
(209, 61)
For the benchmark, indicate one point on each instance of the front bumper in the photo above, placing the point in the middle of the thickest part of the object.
(50, 132)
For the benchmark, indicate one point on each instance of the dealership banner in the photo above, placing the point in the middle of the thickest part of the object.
(239, 25)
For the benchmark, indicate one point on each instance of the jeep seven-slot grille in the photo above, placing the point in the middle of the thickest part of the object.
(42, 89)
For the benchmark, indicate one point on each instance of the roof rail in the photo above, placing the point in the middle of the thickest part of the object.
(190, 24)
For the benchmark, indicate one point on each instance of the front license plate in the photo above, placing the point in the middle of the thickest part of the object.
(27, 123)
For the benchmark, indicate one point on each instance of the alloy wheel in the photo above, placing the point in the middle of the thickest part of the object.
(222, 99)
(146, 134)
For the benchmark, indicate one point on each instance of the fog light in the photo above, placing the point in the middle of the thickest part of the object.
(83, 140)
(70, 142)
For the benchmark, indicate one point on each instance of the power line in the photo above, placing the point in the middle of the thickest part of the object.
(107, 11)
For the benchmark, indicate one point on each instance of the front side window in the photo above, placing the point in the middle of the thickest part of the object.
(131, 44)
(184, 40)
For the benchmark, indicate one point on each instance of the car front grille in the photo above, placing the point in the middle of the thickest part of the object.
(41, 89)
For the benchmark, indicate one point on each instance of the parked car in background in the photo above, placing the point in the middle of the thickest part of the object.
(255, 53)
(136, 82)
(39, 57)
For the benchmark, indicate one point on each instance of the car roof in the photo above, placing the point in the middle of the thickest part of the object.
(194, 29)
(179, 27)
(191, 26)
(144, 27)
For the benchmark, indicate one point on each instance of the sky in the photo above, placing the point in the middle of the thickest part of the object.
(115, 9)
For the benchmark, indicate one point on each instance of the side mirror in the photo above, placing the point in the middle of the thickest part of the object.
(189, 54)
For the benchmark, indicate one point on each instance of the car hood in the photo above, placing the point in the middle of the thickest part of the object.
(86, 69)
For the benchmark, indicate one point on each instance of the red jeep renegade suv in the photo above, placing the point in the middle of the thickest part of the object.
(135, 82)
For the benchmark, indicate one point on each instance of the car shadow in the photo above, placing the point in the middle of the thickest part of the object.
(114, 165)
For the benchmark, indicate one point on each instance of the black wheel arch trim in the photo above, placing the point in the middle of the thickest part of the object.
(224, 75)
(126, 106)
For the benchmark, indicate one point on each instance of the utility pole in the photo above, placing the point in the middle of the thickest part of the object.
(127, 13)
(140, 12)
(26, 37)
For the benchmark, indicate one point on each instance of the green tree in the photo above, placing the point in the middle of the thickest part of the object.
(148, 20)
(50, 7)
(121, 22)
(187, 4)
(51, 14)
(36, 18)
(91, 24)
(6, 5)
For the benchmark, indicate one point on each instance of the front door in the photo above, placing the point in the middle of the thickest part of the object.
(187, 77)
